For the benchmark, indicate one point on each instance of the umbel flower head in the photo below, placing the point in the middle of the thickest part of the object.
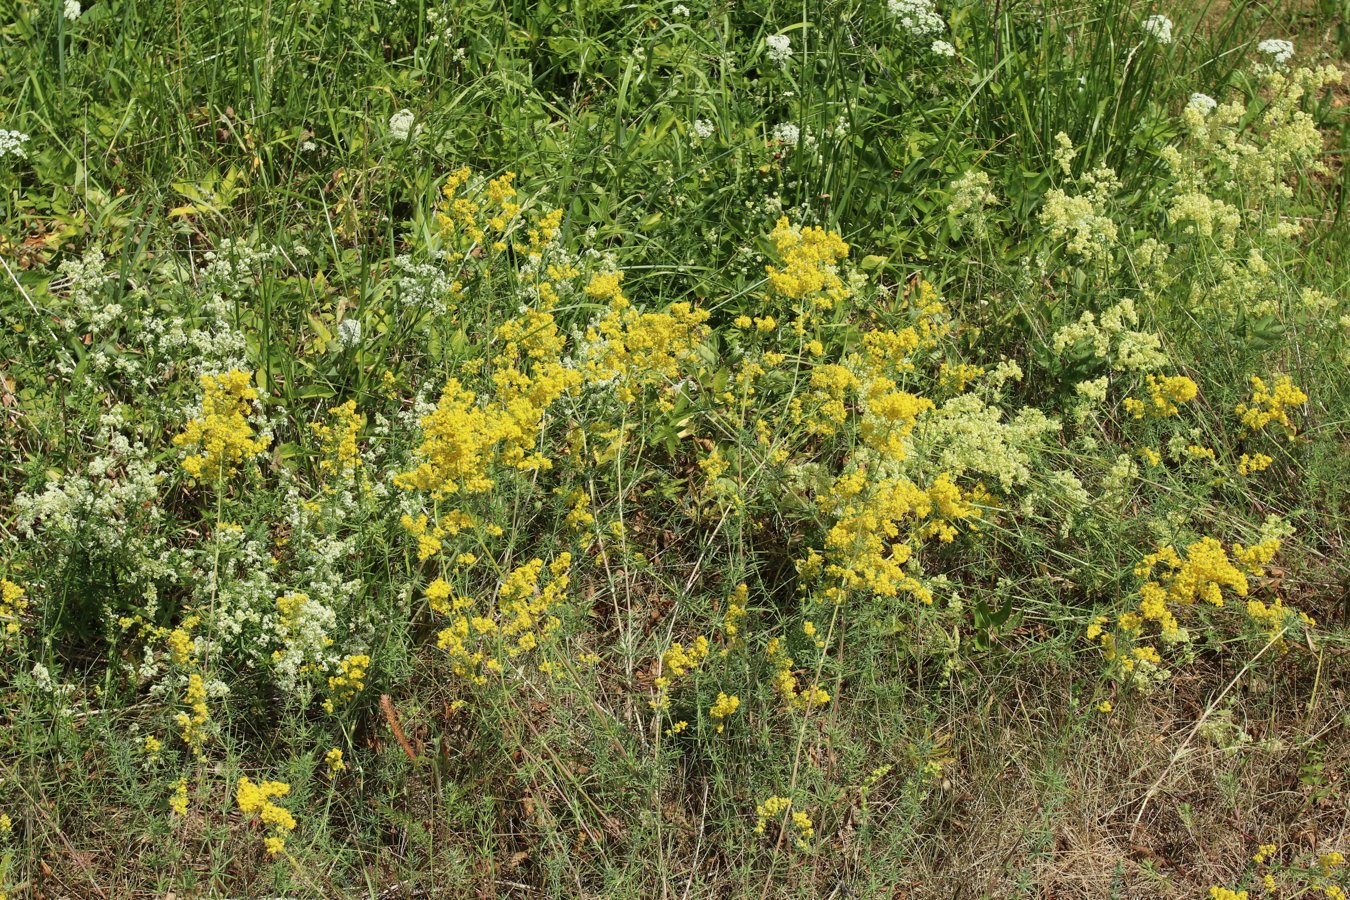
(221, 438)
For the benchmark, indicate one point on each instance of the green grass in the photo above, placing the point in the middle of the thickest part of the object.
(233, 164)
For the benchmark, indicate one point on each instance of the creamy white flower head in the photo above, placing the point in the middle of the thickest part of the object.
(779, 48)
(786, 132)
(943, 48)
(1159, 27)
(1203, 103)
(680, 11)
(11, 143)
(400, 124)
(918, 17)
(1278, 50)
(703, 128)
(72, 10)
(349, 332)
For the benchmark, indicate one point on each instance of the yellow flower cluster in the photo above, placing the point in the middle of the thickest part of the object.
(776, 807)
(876, 527)
(464, 215)
(785, 680)
(676, 663)
(480, 641)
(1173, 581)
(1270, 405)
(221, 438)
(193, 723)
(1256, 462)
(1223, 893)
(178, 800)
(183, 653)
(463, 437)
(338, 435)
(734, 617)
(151, 746)
(334, 761)
(256, 799)
(810, 259)
(1164, 397)
(636, 350)
(725, 706)
(13, 602)
(350, 679)
(955, 378)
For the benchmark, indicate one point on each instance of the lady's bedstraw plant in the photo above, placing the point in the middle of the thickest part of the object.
(221, 438)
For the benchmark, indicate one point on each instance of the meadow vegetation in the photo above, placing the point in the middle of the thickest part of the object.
(855, 448)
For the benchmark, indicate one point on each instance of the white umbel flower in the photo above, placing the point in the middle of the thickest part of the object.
(400, 125)
(943, 48)
(1278, 50)
(1159, 27)
(11, 143)
(349, 332)
(1202, 103)
(787, 133)
(72, 10)
(779, 48)
(917, 17)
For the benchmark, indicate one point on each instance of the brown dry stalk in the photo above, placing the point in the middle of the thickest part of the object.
(391, 716)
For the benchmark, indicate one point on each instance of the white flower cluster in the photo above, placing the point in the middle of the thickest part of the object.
(349, 333)
(1202, 103)
(401, 125)
(786, 133)
(234, 265)
(971, 194)
(918, 17)
(422, 287)
(1279, 51)
(1159, 27)
(11, 143)
(779, 48)
(83, 280)
(943, 48)
(680, 11)
(703, 129)
(72, 10)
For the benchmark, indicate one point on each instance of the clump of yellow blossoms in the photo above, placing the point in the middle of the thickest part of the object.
(1270, 405)
(522, 618)
(1174, 581)
(464, 215)
(775, 807)
(1256, 462)
(338, 436)
(193, 722)
(178, 800)
(221, 438)
(676, 663)
(1222, 893)
(334, 761)
(725, 706)
(634, 350)
(13, 602)
(810, 259)
(785, 680)
(256, 799)
(1164, 397)
(151, 746)
(734, 617)
(350, 679)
